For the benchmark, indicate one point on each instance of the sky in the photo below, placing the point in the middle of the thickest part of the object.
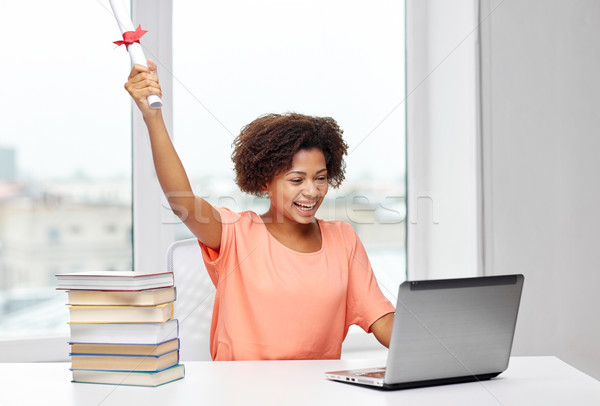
(66, 112)
(62, 105)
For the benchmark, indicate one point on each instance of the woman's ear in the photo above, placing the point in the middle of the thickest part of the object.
(265, 190)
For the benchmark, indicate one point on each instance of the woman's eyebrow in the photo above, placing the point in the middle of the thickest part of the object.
(304, 173)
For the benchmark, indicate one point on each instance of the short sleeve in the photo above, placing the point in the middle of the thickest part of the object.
(365, 301)
(213, 259)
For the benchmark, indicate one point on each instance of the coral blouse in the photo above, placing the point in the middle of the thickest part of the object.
(276, 303)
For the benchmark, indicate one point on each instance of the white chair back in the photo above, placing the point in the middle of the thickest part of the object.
(195, 299)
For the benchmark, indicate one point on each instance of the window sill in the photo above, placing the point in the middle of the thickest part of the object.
(38, 349)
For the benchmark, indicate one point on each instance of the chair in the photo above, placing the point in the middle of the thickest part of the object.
(195, 299)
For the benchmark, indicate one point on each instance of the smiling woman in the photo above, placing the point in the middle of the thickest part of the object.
(261, 308)
(234, 61)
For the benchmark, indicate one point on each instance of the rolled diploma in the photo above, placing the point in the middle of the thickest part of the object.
(135, 50)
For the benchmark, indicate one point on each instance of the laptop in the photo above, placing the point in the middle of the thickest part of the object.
(446, 331)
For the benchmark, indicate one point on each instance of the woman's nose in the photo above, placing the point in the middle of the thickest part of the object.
(311, 190)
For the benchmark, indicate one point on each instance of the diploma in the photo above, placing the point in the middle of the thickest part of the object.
(131, 38)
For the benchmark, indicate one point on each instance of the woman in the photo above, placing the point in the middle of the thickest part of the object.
(288, 285)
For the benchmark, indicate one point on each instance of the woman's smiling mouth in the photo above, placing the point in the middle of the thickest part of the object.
(305, 206)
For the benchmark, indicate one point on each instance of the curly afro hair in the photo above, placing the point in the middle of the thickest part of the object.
(266, 147)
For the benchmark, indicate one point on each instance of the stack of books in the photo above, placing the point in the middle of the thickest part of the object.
(122, 327)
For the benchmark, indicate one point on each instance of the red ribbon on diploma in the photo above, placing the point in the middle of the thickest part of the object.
(129, 37)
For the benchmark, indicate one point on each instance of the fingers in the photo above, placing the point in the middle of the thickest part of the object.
(143, 85)
(142, 75)
(141, 92)
(137, 69)
(144, 78)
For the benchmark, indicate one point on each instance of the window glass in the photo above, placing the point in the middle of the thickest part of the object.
(65, 156)
(235, 60)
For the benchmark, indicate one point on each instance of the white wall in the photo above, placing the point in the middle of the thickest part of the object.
(541, 123)
(443, 183)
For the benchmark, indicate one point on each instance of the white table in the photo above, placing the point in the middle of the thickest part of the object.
(528, 381)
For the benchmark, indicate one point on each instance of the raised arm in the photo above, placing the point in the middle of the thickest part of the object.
(198, 215)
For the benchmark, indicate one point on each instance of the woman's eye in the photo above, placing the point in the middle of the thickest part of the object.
(296, 180)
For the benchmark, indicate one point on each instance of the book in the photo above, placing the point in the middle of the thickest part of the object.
(124, 333)
(145, 363)
(114, 280)
(150, 297)
(121, 314)
(125, 349)
(130, 378)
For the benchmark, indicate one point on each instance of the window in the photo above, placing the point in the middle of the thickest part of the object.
(343, 59)
(65, 157)
(65, 148)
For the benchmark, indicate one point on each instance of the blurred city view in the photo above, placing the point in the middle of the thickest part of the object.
(49, 227)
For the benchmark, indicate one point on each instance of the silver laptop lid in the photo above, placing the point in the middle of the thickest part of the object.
(453, 328)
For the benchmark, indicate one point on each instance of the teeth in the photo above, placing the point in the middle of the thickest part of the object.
(306, 206)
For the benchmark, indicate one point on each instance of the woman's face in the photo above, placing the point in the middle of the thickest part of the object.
(297, 193)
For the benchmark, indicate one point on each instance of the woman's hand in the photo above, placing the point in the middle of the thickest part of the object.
(143, 82)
